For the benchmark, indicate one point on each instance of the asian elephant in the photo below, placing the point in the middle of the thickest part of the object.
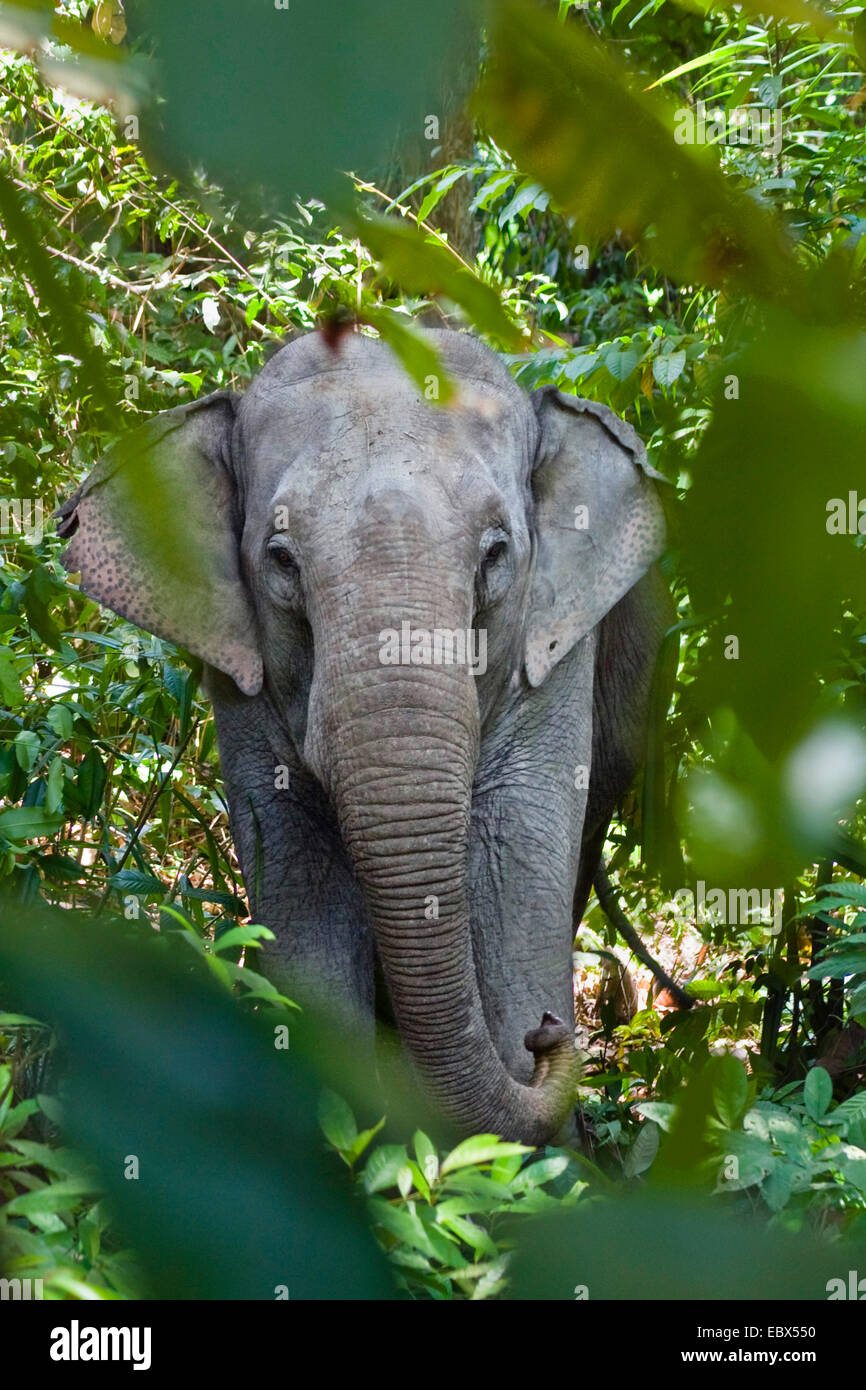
(429, 632)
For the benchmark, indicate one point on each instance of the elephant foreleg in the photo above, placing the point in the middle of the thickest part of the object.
(297, 874)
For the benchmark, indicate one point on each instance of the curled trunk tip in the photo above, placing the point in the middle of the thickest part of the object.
(556, 1064)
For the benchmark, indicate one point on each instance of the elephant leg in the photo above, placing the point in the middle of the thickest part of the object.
(298, 877)
(629, 643)
(524, 853)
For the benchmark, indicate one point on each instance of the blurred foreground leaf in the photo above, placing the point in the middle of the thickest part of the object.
(650, 1247)
(770, 525)
(233, 1197)
(571, 115)
(297, 93)
(421, 264)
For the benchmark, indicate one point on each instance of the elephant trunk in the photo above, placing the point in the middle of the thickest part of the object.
(402, 744)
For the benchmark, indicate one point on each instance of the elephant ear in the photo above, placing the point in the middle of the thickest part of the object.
(154, 536)
(599, 523)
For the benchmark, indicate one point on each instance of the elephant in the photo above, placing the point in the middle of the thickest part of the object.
(429, 632)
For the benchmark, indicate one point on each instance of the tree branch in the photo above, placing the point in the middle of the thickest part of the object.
(607, 897)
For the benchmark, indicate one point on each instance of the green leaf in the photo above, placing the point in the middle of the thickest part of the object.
(482, 1148)
(407, 1226)
(714, 55)
(51, 1109)
(242, 936)
(792, 376)
(643, 1150)
(755, 1160)
(837, 965)
(661, 1112)
(667, 369)
(416, 353)
(817, 1092)
(730, 1089)
(358, 1145)
(777, 1187)
(846, 890)
(699, 1252)
(493, 188)
(850, 1110)
(423, 265)
(59, 1196)
(852, 1162)
(182, 1086)
(580, 365)
(475, 1236)
(229, 901)
(70, 324)
(337, 1121)
(54, 785)
(621, 361)
(857, 1002)
(478, 1185)
(10, 685)
(90, 781)
(383, 1167)
(425, 1152)
(77, 1289)
(528, 196)
(704, 989)
(28, 823)
(822, 21)
(459, 1206)
(134, 882)
(438, 191)
(545, 1170)
(27, 745)
(505, 1169)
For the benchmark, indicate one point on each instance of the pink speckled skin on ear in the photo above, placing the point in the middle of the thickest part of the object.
(154, 538)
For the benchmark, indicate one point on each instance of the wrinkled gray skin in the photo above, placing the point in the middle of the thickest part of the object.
(409, 785)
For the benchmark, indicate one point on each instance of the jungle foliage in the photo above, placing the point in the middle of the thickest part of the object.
(713, 293)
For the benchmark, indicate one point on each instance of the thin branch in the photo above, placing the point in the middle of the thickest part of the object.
(425, 226)
(149, 803)
(608, 901)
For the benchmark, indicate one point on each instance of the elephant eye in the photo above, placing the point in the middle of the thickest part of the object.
(495, 552)
(494, 573)
(279, 553)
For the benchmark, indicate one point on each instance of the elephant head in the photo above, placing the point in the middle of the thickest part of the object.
(395, 578)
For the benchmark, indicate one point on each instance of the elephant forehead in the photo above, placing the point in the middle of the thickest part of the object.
(336, 448)
(400, 493)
